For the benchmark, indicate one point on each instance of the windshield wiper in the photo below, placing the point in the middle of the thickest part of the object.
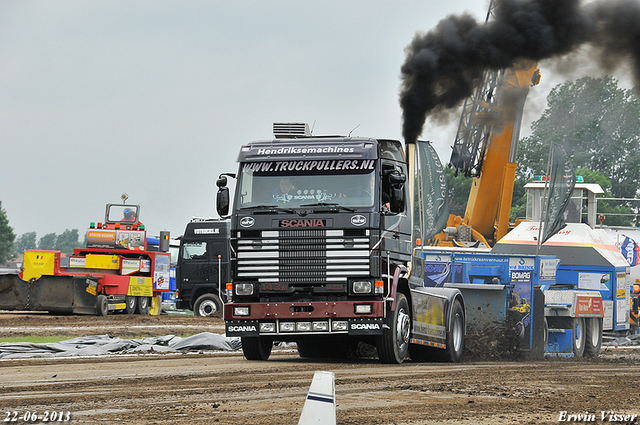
(330, 205)
(270, 208)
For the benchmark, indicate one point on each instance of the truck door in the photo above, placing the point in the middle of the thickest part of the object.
(195, 267)
(199, 267)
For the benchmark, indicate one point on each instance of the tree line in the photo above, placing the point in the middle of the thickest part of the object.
(598, 125)
(12, 246)
(64, 242)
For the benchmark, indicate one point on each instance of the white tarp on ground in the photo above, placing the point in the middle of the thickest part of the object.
(628, 340)
(104, 344)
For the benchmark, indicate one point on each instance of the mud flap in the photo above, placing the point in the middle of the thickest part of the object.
(371, 326)
(242, 328)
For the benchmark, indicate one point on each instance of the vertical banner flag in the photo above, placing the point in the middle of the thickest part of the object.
(432, 194)
(631, 251)
(562, 180)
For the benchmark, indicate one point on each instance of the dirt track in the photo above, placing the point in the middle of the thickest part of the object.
(225, 388)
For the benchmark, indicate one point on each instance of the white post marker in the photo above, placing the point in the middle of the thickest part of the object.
(320, 406)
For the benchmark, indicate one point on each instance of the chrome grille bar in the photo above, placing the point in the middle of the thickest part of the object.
(307, 256)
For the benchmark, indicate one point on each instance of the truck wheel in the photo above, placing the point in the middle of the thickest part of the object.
(393, 344)
(102, 305)
(455, 336)
(143, 305)
(579, 337)
(256, 348)
(207, 305)
(593, 337)
(156, 305)
(132, 303)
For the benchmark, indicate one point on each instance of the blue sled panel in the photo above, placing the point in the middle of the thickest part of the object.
(560, 343)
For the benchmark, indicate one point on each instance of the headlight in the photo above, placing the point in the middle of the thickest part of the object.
(287, 327)
(320, 326)
(241, 311)
(303, 327)
(361, 287)
(363, 308)
(267, 327)
(244, 289)
(339, 325)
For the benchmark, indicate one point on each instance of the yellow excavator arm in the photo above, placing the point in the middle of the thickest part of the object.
(486, 148)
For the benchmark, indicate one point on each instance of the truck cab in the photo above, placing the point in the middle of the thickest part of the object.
(203, 260)
(321, 236)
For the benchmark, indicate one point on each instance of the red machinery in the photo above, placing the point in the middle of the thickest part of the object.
(114, 272)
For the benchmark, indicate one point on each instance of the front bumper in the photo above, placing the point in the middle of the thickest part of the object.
(291, 319)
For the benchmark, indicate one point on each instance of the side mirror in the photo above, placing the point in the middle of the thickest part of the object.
(222, 200)
(397, 199)
(397, 179)
(222, 197)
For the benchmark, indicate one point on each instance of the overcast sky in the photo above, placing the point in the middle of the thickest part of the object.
(155, 98)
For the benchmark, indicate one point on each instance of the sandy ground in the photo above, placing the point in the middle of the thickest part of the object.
(205, 387)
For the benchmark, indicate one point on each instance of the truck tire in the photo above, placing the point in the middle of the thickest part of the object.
(593, 337)
(102, 305)
(132, 303)
(207, 305)
(143, 305)
(455, 336)
(256, 348)
(579, 337)
(393, 344)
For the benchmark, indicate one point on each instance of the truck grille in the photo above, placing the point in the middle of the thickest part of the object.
(303, 256)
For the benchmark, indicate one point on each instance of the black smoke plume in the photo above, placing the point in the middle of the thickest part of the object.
(443, 66)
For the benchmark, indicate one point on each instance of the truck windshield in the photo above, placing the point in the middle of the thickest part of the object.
(194, 250)
(354, 188)
(121, 213)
